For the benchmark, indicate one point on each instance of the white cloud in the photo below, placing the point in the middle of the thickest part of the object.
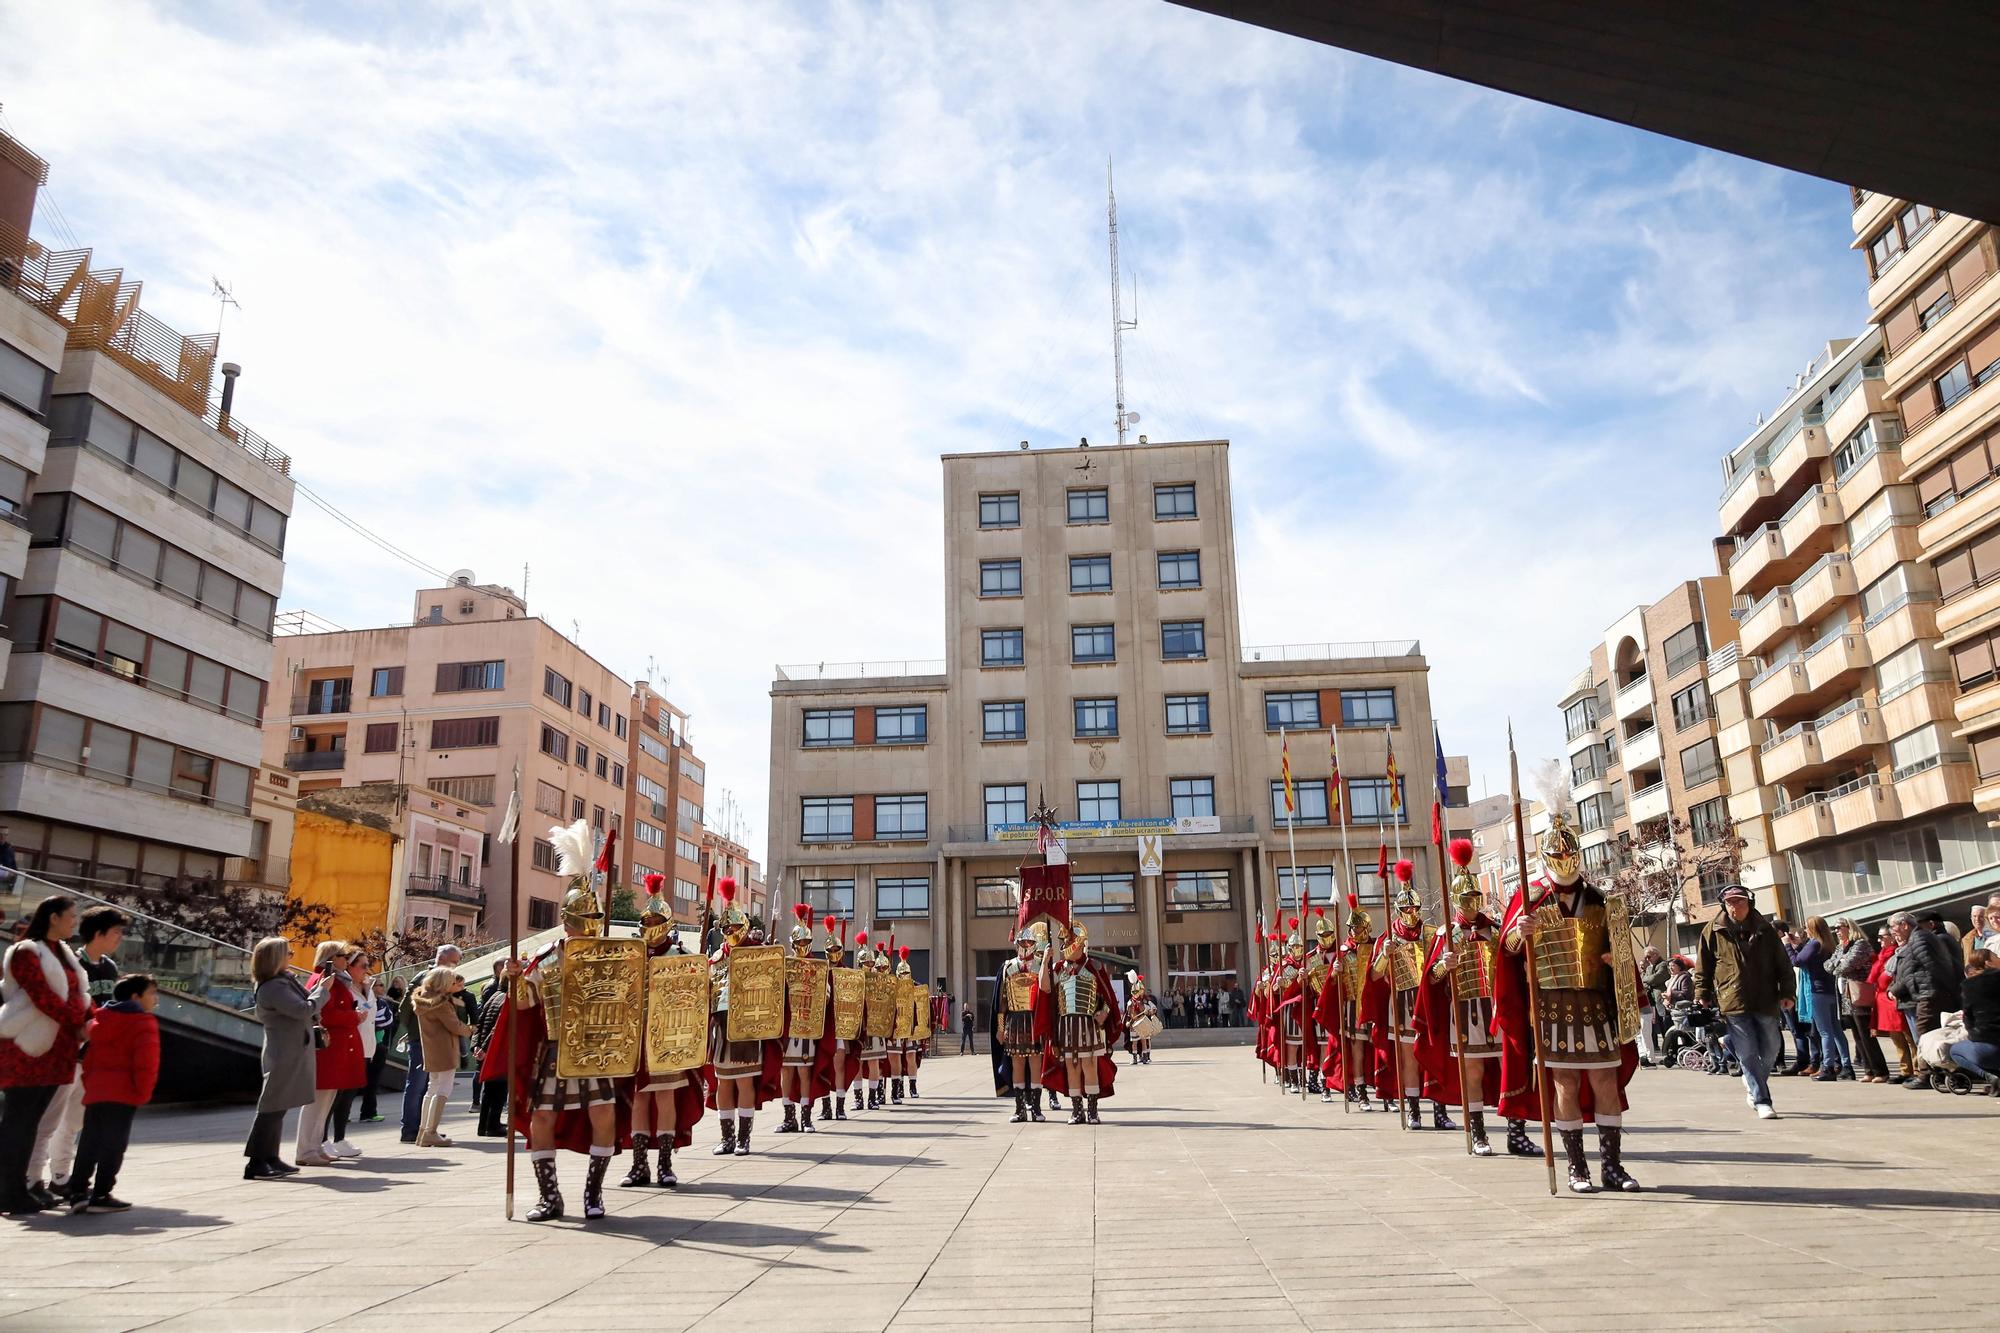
(680, 307)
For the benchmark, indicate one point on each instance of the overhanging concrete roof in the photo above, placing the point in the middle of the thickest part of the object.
(1902, 99)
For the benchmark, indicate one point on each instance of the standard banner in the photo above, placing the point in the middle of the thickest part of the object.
(602, 1014)
(676, 1013)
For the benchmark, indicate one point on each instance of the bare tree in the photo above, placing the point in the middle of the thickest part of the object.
(408, 948)
(233, 911)
(1653, 865)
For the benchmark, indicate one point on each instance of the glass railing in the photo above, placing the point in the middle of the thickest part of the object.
(1754, 539)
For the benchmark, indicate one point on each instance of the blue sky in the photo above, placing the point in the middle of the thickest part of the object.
(679, 304)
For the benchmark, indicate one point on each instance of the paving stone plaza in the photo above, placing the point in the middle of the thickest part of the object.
(1205, 1201)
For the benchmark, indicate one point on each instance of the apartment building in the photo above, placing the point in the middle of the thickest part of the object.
(453, 702)
(1094, 661)
(664, 806)
(733, 859)
(141, 562)
(1839, 703)
(1640, 728)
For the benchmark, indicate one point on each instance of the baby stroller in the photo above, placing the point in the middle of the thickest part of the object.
(1699, 1039)
(1944, 1076)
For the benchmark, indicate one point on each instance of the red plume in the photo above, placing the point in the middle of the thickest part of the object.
(1295, 923)
(727, 888)
(1405, 869)
(860, 937)
(654, 879)
(903, 953)
(1319, 911)
(802, 910)
(1353, 902)
(1461, 852)
(828, 923)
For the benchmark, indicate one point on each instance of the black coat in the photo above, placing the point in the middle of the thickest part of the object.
(1927, 969)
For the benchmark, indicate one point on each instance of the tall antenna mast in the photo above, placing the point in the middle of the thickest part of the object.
(1118, 321)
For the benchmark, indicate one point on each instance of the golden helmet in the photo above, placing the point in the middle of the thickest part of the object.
(735, 921)
(834, 948)
(802, 928)
(1076, 943)
(581, 912)
(1360, 926)
(1295, 943)
(903, 962)
(1562, 853)
(656, 919)
(863, 956)
(1323, 926)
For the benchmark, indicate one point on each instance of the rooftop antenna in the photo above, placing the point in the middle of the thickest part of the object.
(1118, 321)
(224, 298)
(524, 583)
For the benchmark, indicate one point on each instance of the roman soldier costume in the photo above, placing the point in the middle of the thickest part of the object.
(1390, 1001)
(581, 1114)
(1289, 1008)
(1455, 1005)
(805, 1063)
(1264, 1005)
(1346, 1058)
(1319, 979)
(741, 1074)
(1142, 1019)
(841, 1053)
(1583, 989)
(1081, 1022)
(1017, 1039)
(665, 1104)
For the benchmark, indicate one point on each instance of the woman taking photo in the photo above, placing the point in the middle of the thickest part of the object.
(44, 1013)
(354, 979)
(1850, 965)
(287, 1013)
(338, 1064)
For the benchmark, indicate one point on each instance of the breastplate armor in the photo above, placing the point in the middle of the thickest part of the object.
(1315, 975)
(1472, 971)
(1569, 950)
(1351, 979)
(1078, 992)
(1405, 964)
(1020, 989)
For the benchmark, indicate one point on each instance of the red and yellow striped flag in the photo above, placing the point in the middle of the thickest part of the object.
(1285, 769)
(1395, 787)
(1333, 779)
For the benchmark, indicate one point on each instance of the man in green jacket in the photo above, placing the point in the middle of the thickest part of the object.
(1744, 972)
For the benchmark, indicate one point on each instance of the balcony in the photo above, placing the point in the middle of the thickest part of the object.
(1849, 731)
(316, 704)
(1864, 480)
(1908, 619)
(1799, 822)
(1759, 562)
(1862, 804)
(1770, 619)
(1875, 553)
(1806, 445)
(1827, 581)
(1747, 804)
(316, 761)
(1835, 664)
(1779, 691)
(1865, 401)
(1642, 749)
(1813, 525)
(1634, 697)
(1968, 513)
(1793, 752)
(1937, 783)
(1746, 493)
(445, 887)
(1649, 803)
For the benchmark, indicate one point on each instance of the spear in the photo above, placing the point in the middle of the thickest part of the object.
(1340, 982)
(1534, 983)
(1451, 984)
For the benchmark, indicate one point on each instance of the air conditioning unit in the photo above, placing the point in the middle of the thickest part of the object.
(298, 733)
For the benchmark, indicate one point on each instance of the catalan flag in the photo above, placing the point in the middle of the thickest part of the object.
(1285, 770)
(1395, 786)
(1333, 779)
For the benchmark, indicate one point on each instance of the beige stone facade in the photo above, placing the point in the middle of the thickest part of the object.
(1094, 661)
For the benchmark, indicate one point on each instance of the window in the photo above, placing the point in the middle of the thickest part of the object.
(1709, 821)
(542, 912)
(1006, 803)
(1367, 708)
(553, 742)
(905, 725)
(648, 834)
(829, 727)
(548, 799)
(583, 756)
(1685, 649)
(1939, 306)
(583, 702)
(1180, 569)
(1691, 706)
(1885, 248)
(457, 676)
(1580, 717)
(693, 772)
(618, 724)
(464, 733)
(1187, 715)
(555, 686)
(24, 382)
(1097, 802)
(380, 738)
(618, 775)
(1914, 751)
(604, 715)
(1090, 573)
(993, 896)
(999, 578)
(1291, 709)
(903, 896)
(1000, 510)
(828, 897)
(1092, 643)
(1953, 385)
(1368, 801)
(1197, 890)
(603, 765)
(1174, 501)
(902, 818)
(1183, 640)
(1973, 661)
(1915, 220)
(57, 518)
(1968, 567)
(1318, 881)
(1191, 798)
(78, 744)
(649, 745)
(1001, 648)
(1092, 505)
(1700, 764)
(1004, 720)
(472, 790)
(385, 682)
(686, 850)
(1104, 892)
(1096, 718)
(826, 818)
(43, 624)
(1310, 797)
(576, 810)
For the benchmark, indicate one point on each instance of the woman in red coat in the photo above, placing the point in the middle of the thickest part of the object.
(340, 1064)
(1888, 1013)
(44, 1012)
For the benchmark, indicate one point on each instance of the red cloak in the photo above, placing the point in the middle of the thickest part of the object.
(1437, 1048)
(1055, 1074)
(1520, 1088)
(1382, 1037)
(572, 1126)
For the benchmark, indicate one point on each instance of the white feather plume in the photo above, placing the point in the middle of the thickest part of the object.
(573, 848)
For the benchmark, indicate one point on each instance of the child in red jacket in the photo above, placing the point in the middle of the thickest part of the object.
(119, 1069)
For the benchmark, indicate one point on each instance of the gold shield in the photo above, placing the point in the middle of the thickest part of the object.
(850, 997)
(1624, 980)
(805, 996)
(757, 993)
(881, 1004)
(602, 1021)
(921, 1020)
(906, 1008)
(676, 1013)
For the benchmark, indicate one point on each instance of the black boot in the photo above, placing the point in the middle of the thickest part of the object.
(1413, 1112)
(728, 1144)
(839, 1108)
(1020, 1115)
(1480, 1147)
(1610, 1142)
(743, 1134)
(593, 1187)
(1035, 1105)
(1579, 1165)
(1075, 1110)
(806, 1116)
(1055, 1102)
(549, 1206)
(1518, 1142)
(896, 1090)
(913, 1087)
(791, 1124)
(668, 1180)
(826, 1106)
(859, 1104)
(1440, 1120)
(642, 1170)
(1090, 1111)
(1359, 1096)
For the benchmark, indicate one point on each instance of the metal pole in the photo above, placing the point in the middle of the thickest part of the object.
(514, 959)
(1528, 960)
(1347, 871)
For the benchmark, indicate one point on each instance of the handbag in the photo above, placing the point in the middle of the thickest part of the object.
(321, 1037)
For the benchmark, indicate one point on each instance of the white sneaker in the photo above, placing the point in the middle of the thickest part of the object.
(341, 1151)
(1765, 1112)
